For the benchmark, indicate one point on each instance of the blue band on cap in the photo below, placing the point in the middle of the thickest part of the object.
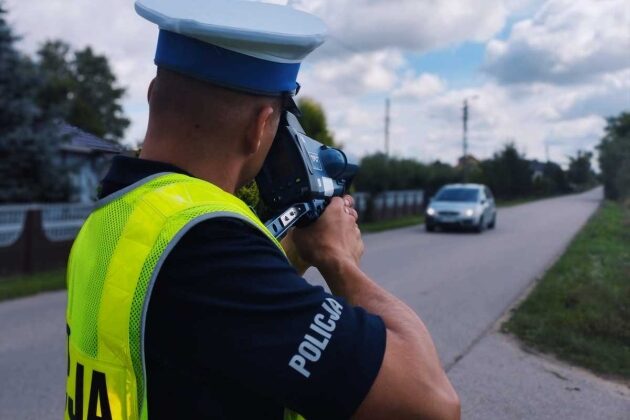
(224, 67)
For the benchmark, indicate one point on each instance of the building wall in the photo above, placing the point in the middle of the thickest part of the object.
(87, 170)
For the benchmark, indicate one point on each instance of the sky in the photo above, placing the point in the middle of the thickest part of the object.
(543, 74)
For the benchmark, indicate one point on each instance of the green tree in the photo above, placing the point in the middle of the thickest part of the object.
(81, 88)
(313, 120)
(440, 174)
(379, 173)
(374, 174)
(408, 174)
(508, 173)
(249, 194)
(29, 167)
(555, 179)
(614, 157)
(580, 172)
(56, 92)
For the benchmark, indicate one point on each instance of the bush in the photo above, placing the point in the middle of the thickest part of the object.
(614, 157)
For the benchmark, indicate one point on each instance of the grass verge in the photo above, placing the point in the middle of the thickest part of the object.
(580, 310)
(25, 285)
(391, 224)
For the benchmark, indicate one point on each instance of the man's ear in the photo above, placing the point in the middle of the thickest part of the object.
(150, 90)
(258, 129)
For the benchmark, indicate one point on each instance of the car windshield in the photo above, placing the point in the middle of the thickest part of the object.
(465, 195)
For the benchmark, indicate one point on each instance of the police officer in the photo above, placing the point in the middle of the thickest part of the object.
(181, 305)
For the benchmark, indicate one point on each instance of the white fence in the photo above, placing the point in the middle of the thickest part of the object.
(60, 222)
(393, 199)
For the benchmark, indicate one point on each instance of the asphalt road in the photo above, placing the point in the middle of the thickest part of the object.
(459, 283)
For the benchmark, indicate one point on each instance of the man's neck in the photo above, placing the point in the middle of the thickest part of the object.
(217, 168)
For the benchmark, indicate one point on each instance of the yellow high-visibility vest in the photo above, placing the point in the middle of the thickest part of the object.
(113, 265)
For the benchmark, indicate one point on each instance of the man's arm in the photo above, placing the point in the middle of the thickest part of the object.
(293, 254)
(228, 311)
(411, 382)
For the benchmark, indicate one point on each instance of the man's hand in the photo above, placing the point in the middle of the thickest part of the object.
(333, 239)
(411, 382)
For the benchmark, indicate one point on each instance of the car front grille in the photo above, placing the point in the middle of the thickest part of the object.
(448, 213)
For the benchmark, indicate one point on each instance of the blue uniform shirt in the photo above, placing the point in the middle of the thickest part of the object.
(234, 332)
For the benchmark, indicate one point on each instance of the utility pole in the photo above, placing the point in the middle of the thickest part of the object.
(465, 131)
(547, 151)
(465, 136)
(465, 139)
(387, 126)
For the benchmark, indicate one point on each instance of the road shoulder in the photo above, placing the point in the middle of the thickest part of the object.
(498, 380)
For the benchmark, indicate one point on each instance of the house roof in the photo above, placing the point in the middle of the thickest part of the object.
(83, 142)
(536, 166)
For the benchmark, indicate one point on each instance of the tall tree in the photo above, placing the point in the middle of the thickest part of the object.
(29, 168)
(580, 172)
(314, 122)
(614, 157)
(374, 175)
(56, 92)
(441, 173)
(380, 172)
(82, 89)
(508, 173)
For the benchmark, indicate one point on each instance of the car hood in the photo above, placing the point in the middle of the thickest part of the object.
(452, 206)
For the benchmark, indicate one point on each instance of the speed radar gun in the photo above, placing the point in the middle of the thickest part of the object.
(300, 176)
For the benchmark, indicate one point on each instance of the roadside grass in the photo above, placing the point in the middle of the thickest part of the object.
(380, 226)
(24, 285)
(580, 310)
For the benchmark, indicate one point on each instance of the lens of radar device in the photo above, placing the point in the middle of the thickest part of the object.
(334, 160)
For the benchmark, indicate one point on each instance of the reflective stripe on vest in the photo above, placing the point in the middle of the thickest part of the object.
(113, 265)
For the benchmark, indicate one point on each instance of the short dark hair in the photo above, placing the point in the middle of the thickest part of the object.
(175, 94)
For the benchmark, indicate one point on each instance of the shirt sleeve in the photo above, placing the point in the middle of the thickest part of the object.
(230, 296)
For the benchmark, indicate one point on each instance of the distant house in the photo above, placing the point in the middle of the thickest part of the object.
(88, 158)
(537, 168)
(467, 161)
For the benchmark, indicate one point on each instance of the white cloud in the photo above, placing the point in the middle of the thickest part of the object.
(418, 87)
(578, 41)
(566, 41)
(429, 127)
(607, 96)
(356, 74)
(412, 25)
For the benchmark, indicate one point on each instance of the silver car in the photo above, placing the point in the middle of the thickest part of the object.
(462, 205)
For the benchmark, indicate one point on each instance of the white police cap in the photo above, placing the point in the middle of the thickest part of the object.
(244, 45)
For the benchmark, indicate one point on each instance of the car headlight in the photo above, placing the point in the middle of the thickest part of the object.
(430, 211)
(469, 213)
